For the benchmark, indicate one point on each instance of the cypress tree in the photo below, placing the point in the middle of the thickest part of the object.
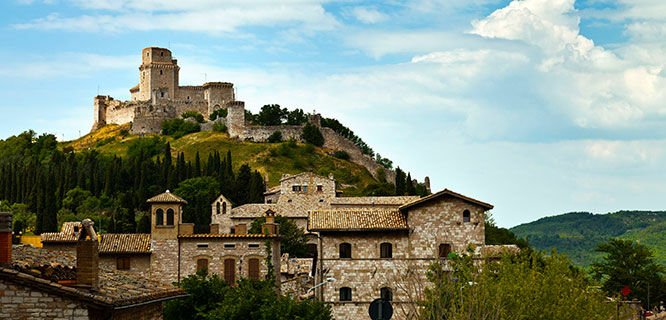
(197, 166)
(411, 190)
(400, 184)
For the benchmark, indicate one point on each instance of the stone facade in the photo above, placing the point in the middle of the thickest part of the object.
(21, 302)
(139, 264)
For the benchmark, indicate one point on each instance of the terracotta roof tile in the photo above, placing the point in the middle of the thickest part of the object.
(166, 197)
(394, 200)
(125, 243)
(68, 233)
(225, 235)
(41, 267)
(356, 220)
(433, 196)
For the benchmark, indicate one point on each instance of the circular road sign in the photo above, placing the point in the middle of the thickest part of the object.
(380, 310)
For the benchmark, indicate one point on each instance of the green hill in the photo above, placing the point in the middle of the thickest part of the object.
(578, 233)
(274, 159)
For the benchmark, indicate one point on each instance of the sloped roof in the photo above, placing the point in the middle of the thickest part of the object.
(356, 220)
(166, 197)
(68, 233)
(226, 235)
(446, 192)
(289, 177)
(273, 190)
(135, 88)
(125, 243)
(35, 267)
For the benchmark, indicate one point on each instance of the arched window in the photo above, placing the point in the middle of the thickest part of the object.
(345, 250)
(169, 218)
(224, 208)
(202, 264)
(466, 216)
(159, 217)
(345, 294)
(386, 294)
(160, 71)
(162, 54)
(386, 250)
(218, 208)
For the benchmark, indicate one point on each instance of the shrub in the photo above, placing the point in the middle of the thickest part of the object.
(275, 137)
(309, 148)
(219, 113)
(193, 114)
(219, 127)
(340, 154)
(312, 135)
(179, 127)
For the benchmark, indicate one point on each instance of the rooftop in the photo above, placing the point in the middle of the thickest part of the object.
(43, 269)
(446, 192)
(356, 220)
(166, 197)
(386, 200)
(68, 233)
(125, 243)
(226, 235)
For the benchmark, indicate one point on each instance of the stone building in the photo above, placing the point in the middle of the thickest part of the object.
(384, 252)
(37, 283)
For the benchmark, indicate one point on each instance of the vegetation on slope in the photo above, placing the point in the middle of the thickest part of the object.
(578, 233)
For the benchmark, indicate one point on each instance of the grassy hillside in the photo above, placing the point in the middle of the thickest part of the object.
(578, 233)
(272, 158)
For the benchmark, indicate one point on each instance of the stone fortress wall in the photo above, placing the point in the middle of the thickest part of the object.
(159, 97)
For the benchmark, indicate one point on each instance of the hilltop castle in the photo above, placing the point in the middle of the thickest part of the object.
(159, 97)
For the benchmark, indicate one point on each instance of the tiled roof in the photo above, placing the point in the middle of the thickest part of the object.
(356, 220)
(225, 235)
(288, 177)
(166, 197)
(135, 88)
(395, 200)
(125, 243)
(67, 233)
(43, 268)
(448, 192)
(273, 190)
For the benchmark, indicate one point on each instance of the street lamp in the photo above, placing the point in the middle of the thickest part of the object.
(319, 285)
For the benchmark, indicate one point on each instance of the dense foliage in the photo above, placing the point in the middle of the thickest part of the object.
(275, 137)
(219, 127)
(292, 241)
(219, 113)
(178, 127)
(631, 264)
(212, 298)
(194, 115)
(578, 233)
(497, 235)
(340, 129)
(111, 190)
(312, 135)
(528, 286)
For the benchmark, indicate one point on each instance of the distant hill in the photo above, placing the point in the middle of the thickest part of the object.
(578, 233)
(274, 159)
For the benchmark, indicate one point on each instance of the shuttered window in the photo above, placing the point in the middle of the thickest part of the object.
(123, 263)
(386, 250)
(444, 250)
(345, 250)
(202, 264)
(253, 268)
(230, 271)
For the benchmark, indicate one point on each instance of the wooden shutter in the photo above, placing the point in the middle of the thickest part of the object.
(202, 264)
(122, 263)
(253, 268)
(444, 250)
(230, 271)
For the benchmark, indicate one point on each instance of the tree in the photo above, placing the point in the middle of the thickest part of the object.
(628, 263)
(527, 286)
(271, 115)
(296, 117)
(293, 239)
(275, 137)
(312, 135)
(496, 235)
(400, 185)
(194, 115)
(219, 113)
(199, 193)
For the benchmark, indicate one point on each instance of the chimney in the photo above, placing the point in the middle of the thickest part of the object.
(5, 238)
(87, 257)
(270, 227)
(241, 229)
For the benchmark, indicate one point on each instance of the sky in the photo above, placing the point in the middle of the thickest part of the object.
(539, 107)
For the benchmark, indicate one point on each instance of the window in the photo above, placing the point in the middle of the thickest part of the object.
(269, 201)
(162, 54)
(345, 250)
(321, 200)
(295, 188)
(386, 250)
(169, 218)
(345, 294)
(466, 216)
(253, 268)
(218, 208)
(305, 188)
(444, 250)
(312, 250)
(229, 245)
(289, 200)
(160, 71)
(122, 263)
(147, 53)
(233, 230)
(162, 94)
(202, 245)
(188, 97)
(386, 294)
(224, 208)
(253, 245)
(320, 188)
(159, 217)
(202, 264)
(230, 271)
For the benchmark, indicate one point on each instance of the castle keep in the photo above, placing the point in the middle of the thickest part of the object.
(158, 96)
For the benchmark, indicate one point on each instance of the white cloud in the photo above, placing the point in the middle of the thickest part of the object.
(70, 65)
(368, 15)
(195, 16)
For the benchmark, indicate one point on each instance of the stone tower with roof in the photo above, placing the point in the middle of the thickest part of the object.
(166, 210)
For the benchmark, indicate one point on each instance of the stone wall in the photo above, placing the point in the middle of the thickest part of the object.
(21, 302)
(218, 94)
(152, 311)
(164, 260)
(235, 118)
(139, 263)
(67, 248)
(190, 93)
(261, 133)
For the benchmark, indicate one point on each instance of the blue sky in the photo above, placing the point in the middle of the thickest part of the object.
(537, 106)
